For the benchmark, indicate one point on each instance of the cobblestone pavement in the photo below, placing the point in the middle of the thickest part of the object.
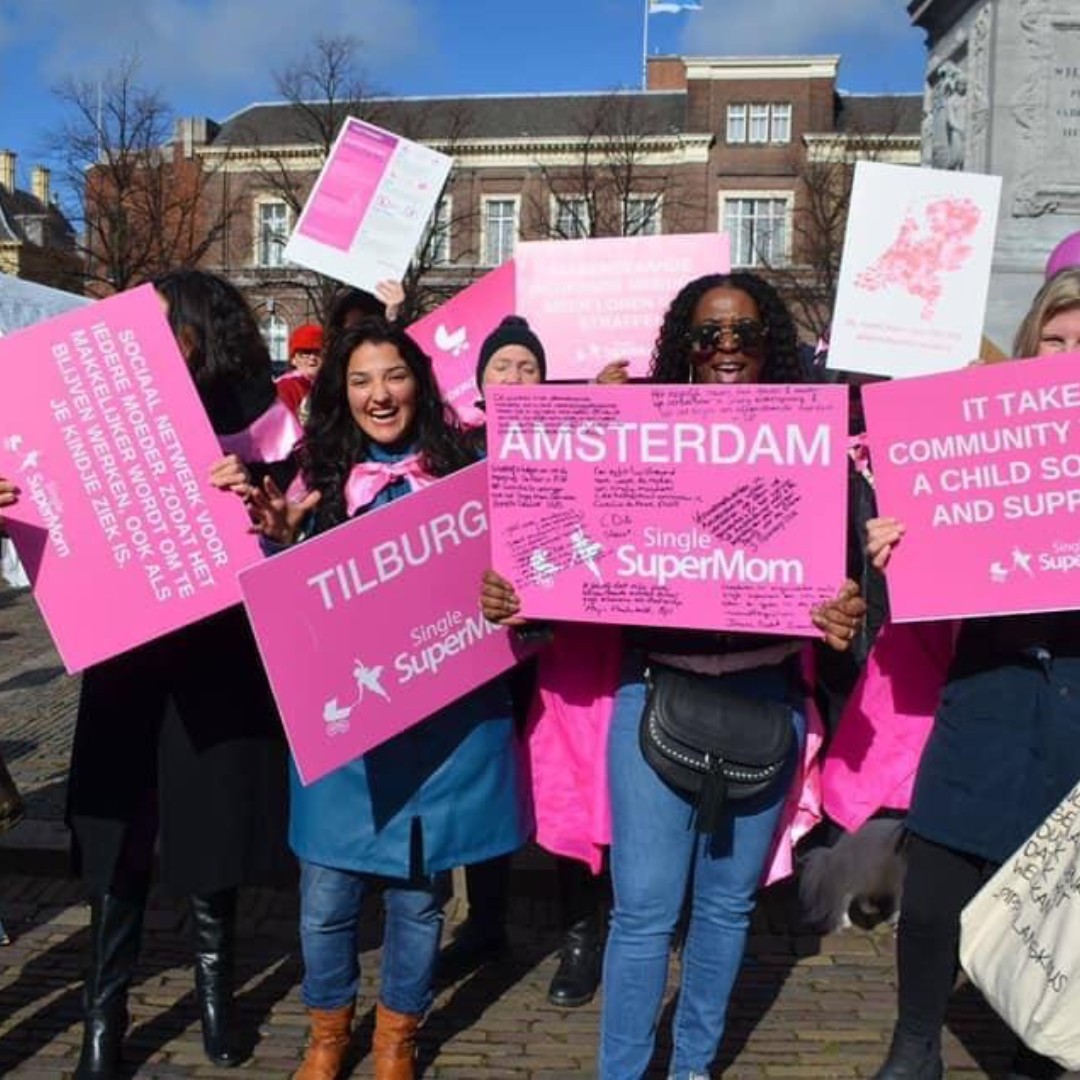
(804, 1006)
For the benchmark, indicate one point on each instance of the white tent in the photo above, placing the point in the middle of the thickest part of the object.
(23, 303)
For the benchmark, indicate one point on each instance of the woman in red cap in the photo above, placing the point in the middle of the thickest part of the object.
(305, 356)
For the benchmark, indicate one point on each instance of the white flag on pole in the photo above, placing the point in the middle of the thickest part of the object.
(662, 7)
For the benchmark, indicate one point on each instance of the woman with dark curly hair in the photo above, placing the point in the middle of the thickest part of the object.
(444, 793)
(727, 329)
(179, 738)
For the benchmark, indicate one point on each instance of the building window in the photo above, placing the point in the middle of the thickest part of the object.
(641, 215)
(272, 232)
(759, 123)
(570, 217)
(758, 228)
(736, 123)
(780, 124)
(500, 230)
(436, 243)
(276, 335)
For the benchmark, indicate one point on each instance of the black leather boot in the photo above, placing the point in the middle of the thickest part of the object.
(912, 1057)
(115, 927)
(214, 921)
(578, 975)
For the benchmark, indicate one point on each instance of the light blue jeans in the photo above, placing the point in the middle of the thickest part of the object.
(329, 909)
(657, 858)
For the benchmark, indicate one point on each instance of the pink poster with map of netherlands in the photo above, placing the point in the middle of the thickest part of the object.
(704, 507)
(117, 525)
(911, 298)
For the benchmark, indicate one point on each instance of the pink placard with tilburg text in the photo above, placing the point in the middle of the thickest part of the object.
(373, 626)
(594, 301)
(121, 534)
(983, 468)
(704, 507)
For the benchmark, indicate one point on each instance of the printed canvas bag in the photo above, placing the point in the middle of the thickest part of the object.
(1020, 937)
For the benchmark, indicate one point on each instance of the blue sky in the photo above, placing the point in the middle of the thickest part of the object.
(212, 57)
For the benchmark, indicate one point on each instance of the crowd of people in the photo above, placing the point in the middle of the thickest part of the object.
(195, 759)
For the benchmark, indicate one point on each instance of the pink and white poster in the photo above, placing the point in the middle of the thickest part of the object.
(373, 626)
(705, 507)
(369, 207)
(594, 301)
(983, 468)
(121, 534)
(911, 298)
(453, 333)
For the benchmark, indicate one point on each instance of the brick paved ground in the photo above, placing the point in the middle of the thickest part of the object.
(804, 1006)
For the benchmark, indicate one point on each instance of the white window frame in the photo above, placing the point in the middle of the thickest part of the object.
(780, 122)
(275, 331)
(656, 219)
(757, 113)
(440, 224)
(259, 205)
(581, 218)
(787, 197)
(736, 123)
(485, 201)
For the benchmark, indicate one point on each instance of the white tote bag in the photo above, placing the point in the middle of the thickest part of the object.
(1020, 937)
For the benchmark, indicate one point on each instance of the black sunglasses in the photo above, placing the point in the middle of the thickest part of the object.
(706, 339)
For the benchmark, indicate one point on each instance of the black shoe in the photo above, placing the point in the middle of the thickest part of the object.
(1027, 1065)
(474, 945)
(115, 926)
(578, 975)
(214, 921)
(912, 1057)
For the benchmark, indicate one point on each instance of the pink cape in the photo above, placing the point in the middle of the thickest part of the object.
(569, 721)
(875, 754)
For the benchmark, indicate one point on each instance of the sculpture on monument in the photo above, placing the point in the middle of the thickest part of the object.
(948, 115)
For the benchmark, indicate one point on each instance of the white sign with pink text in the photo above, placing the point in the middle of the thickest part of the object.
(911, 296)
(369, 207)
(594, 301)
(375, 625)
(982, 466)
(703, 507)
(121, 534)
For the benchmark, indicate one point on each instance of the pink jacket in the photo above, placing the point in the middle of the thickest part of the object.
(571, 712)
(875, 754)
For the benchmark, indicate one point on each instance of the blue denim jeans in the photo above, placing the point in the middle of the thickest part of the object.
(657, 858)
(329, 909)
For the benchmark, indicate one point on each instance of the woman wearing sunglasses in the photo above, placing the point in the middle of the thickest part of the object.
(727, 329)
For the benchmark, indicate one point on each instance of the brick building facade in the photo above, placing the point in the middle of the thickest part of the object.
(712, 143)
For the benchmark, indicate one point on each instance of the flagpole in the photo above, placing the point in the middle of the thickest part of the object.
(645, 49)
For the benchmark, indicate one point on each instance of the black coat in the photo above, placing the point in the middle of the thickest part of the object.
(180, 739)
(182, 734)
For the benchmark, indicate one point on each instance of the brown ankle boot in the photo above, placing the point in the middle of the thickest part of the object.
(328, 1040)
(394, 1045)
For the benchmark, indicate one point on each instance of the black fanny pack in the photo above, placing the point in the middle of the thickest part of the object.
(708, 742)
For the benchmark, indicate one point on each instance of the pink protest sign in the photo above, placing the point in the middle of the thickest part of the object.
(706, 507)
(453, 333)
(911, 295)
(369, 206)
(375, 625)
(121, 534)
(983, 468)
(594, 301)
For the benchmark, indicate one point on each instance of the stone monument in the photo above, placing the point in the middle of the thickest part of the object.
(1002, 95)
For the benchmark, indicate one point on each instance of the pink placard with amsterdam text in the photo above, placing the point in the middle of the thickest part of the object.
(982, 466)
(704, 507)
(120, 532)
(594, 301)
(375, 625)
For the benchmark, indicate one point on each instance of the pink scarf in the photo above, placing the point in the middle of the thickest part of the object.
(369, 478)
(271, 437)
